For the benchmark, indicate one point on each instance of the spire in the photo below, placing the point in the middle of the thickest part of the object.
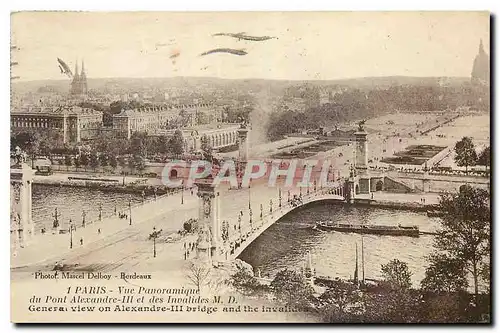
(83, 67)
(76, 69)
(481, 47)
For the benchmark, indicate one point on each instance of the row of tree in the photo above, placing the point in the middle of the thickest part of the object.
(352, 104)
(465, 154)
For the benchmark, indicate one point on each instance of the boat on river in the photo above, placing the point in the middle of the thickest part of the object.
(375, 229)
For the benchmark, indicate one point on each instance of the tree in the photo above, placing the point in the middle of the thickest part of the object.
(485, 157)
(465, 229)
(94, 161)
(138, 144)
(67, 161)
(291, 288)
(77, 162)
(246, 284)
(113, 162)
(176, 143)
(84, 160)
(163, 144)
(397, 274)
(206, 148)
(104, 160)
(199, 275)
(465, 153)
(139, 163)
(394, 301)
(28, 142)
(122, 162)
(341, 301)
(444, 275)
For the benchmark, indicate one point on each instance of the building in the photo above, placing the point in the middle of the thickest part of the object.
(162, 117)
(79, 84)
(71, 124)
(481, 68)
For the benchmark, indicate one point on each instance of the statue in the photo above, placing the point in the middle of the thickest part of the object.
(360, 125)
(352, 172)
(20, 156)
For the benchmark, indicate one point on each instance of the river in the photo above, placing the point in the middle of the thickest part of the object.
(287, 242)
(72, 201)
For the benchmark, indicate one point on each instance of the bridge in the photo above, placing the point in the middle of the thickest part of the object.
(241, 239)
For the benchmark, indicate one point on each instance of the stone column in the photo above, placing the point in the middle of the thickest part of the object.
(21, 226)
(208, 221)
(361, 161)
(243, 144)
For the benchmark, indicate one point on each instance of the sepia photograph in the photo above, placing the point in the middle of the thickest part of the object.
(250, 167)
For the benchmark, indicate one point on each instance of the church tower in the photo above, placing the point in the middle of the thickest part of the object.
(83, 79)
(79, 83)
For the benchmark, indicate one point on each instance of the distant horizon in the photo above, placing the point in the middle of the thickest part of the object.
(243, 79)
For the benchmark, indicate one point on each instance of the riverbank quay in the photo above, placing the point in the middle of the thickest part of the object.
(109, 183)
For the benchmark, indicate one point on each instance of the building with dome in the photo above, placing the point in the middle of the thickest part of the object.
(481, 67)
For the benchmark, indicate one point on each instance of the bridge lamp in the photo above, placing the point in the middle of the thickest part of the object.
(70, 234)
(279, 197)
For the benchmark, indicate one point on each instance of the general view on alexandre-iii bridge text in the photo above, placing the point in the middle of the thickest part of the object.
(166, 167)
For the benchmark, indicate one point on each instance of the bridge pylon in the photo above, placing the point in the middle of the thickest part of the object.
(209, 243)
(21, 222)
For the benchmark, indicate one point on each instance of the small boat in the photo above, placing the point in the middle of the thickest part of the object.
(399, 230)
(435, 213)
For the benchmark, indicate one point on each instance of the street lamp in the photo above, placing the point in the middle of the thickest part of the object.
(279, 195)
(100, 211)
(155, 234)
(261, 209)
(130, 211)
(250, 214)
(182, 194)
(70, 234)
(83, 218)
(239, 224)
(271, 206)
(56, 221)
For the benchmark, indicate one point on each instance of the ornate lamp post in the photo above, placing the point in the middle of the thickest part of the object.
(288, 196)
(70, 234)
(130, 211)
(271, 206)
(100, 211)
(182, 194)
(56, 220)
(239, 224)
(155, 234)
(250, 220)
(83, 218)
(261, 210)
(279, 196)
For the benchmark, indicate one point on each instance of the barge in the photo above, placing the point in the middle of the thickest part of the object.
(389, 230)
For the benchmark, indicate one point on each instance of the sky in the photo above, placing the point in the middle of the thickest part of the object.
(309, 45)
